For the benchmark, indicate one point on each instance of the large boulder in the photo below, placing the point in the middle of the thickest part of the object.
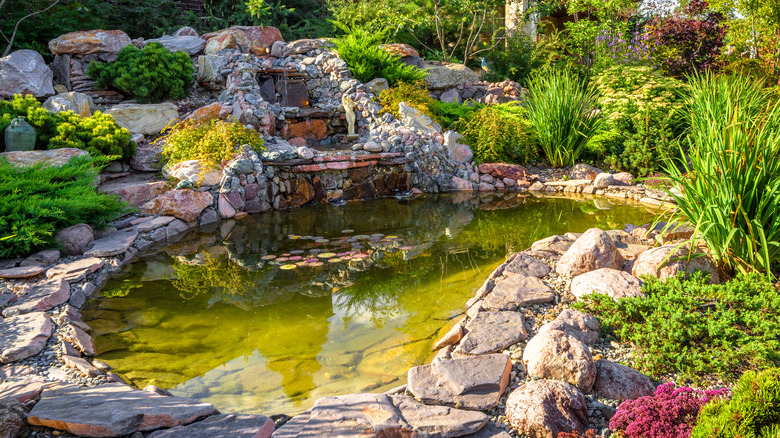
(669, 260)
(53, 157)
(595, 249)
(147, 119)
(442, 76)
(581, 325)
(90, 41)
(184, 204)
(253, 39)
(584, 171)
(619, 382)
(79, 103)
(555, 354)
(413, 118)
(210, 69)
(25, 72)
(607, 281)
(459, 152)
(545, 408)
(191, 45)
(13, 417)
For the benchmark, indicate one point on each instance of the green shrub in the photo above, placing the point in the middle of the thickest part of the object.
(449, 114)
(360, 50)
(516, 60)
(499, 133)
(151, 74)
(753, 411)
(559, 107)
(38, 201)
(729, 185)
(98, 134)
(696, 329)
(209, 142)
(415, 95)
(643, 121)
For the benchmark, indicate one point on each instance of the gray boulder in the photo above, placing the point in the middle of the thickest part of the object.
(25, 72)
(442, 76)
(192, 45)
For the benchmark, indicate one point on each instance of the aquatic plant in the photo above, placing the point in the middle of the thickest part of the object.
(670, 412)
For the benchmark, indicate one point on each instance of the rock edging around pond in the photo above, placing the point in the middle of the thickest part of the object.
(50, 309)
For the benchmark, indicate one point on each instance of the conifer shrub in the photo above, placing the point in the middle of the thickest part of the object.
(499, 133)
(210, 142)
(151, 74)
(38, 201)
(695, 329)
(448, 114)
(752, 411)
(670, 412)
(98, 134)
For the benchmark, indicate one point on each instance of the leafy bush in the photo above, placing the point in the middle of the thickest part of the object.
(38, 201)
(151, 74)
(641, 108)
(209, 142)
(729, 187)
(98, 134)
(753, 411)
(450, 114)
(695, 329)
(415, 95)
(690, 40)
(516, 60)
(559, 107)
(669, 413)
(499, 133)
(360, 50)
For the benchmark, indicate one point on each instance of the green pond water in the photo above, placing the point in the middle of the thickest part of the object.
(218, 317)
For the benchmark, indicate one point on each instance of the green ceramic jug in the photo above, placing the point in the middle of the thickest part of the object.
(19, 136)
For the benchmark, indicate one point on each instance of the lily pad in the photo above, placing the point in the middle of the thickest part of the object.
(287, 267)
(326, 255)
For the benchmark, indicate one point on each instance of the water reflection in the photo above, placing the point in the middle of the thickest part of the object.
(216, 317)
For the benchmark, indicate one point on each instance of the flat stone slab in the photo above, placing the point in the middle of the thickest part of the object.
(293, 427)
(113, 409)
(154, 223)
(489, 332)
(526, 265)
(223, 425)
(355, 415)
(22, 272)
(23, 336)
(490, 431)
(438, 421)
(42, 297)
(515, 291)
(112, 245)
(22, 390)
(76, 271)
(474, 383)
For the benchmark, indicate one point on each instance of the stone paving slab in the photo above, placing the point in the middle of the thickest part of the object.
(22, 272)
(113, 409)
(438, 421)
(223, 425)
(112, 245)
(489, 332)
(42, 297)
(474, 383)
(515, 291)
(524, 264)
(23, 336)
(75, 271)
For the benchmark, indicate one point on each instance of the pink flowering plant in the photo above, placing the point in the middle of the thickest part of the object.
(670, 413)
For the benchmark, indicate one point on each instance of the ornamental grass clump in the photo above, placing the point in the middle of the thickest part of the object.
(561, 111)
(670, 412)
(211, 142)
(729, 185)
(752, 411)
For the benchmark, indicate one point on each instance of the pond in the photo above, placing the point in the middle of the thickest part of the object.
(271, 312)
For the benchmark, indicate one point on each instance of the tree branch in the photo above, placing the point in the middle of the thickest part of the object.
(16, 27)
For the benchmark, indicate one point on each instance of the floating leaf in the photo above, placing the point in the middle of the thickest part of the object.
(287, 267)
(268, 257)
(326, 255)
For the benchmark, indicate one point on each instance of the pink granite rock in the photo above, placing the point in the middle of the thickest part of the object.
(545, 408)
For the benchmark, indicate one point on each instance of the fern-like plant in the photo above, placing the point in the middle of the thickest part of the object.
(360, 50)
(151, 74)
